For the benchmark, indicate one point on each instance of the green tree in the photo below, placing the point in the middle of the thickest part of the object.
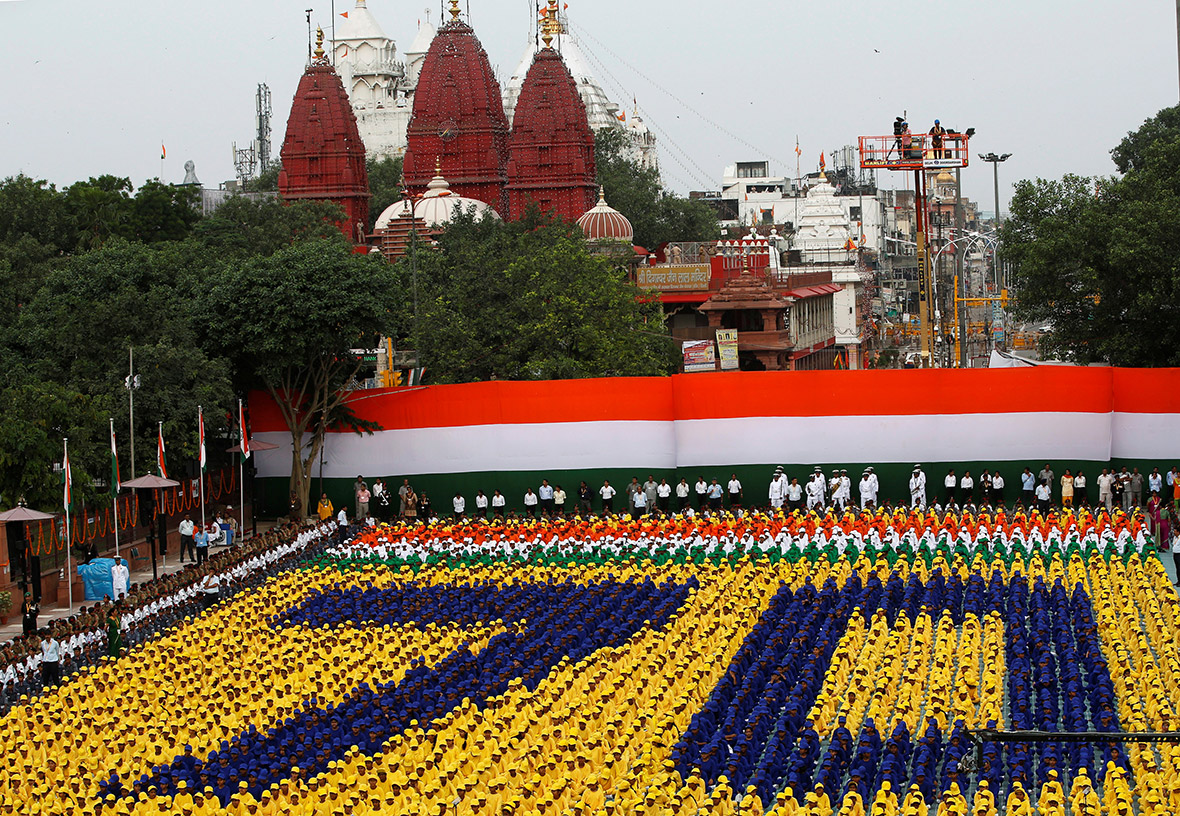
(1098, 260)
(36, 229)
(267, 181)
(287, 322)
(163, 212)
(657, 215)
(527, 300)
(244, 227)
(101, 208)
(76, 331)
(385, 184)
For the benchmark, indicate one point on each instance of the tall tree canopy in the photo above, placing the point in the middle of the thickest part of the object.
(287, 322)
(527, 300)
(385, 184)
(1098, 260)
(657, 215)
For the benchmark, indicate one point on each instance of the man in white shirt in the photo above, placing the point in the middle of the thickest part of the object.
(186, 528)
(702, 489)
(997, 489)
(545, 494)
(50, 659)
(530, 502)
(608, 497)
(949, 483)
(735, 491)
(640, 500)
(559, 497)
(682, 496)
(868, 490)
(795, 495)
(1106, 489)
(918, 488)
(778, 489)
(481, 504)
(664, 496)
(815, 491)
(498, 502)
(121, 578)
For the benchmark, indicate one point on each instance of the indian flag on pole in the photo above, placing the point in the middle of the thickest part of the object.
(161, 453)
(116, 482)
(242, 425)
(67, 480)
(201, 424)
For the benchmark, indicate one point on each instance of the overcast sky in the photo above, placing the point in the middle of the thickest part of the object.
(94, 87)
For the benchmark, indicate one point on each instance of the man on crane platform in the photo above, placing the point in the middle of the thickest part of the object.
(937, 133)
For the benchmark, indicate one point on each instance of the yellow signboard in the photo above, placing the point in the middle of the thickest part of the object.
(674, 278)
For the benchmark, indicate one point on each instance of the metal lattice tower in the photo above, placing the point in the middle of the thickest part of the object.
(262, 99)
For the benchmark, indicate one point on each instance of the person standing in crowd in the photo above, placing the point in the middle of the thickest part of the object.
(202, 542)
(735, 491)
(342, 525)
(229, 525)
(834, 491)
(664, 496)
(715, 495)
(1174, 478)
(1044, 497)
(967, 488)
(1154, 517)
(651, 491)
(632, 488)
(460, 505)
(778, 489)
(1028, 488)
(608, 497)
(1106, 490)
(1047, 475)
(1155, 482)
(815, 492)
(498, 504)
(985, 487)
(845, 488)
(949, 483)
(481, 504)
(559, 497)
(1067, 489)
(795, 495)
(187, 545)
(50, 659)
(585, 499)
(530, 502)
(425, 509)
(324, 509)
(402, 492)
(640, 500)
(29, 611)
(1080, 493)
(682, 491)
(114, 632)
(1176, 551)
(918, 488)
(545, 496)
(211, 585)
(702, 488)
(295, 508)
(1136, 488)
(381, 500)
(363, 496)
(1122, 489)
(868, 489)
(998, 489)
(120, 578)
(410, 505)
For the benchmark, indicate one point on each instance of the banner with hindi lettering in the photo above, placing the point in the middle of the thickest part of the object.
(699, 355)
(727, 349)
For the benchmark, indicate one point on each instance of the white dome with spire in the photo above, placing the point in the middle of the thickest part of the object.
(439, 204)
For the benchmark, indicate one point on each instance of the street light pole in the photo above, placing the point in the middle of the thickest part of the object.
(995, 162)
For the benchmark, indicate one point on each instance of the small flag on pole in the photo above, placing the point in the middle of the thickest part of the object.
(344, 14)
(163, 152)
(798, 150)
(161, 454)
(116, 483)
(201, 423)
(822, 162)
(67, 479)
(242, 425)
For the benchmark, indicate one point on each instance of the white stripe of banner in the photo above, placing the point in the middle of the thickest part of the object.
(937, 438)
(532, 447)
(1146, 436)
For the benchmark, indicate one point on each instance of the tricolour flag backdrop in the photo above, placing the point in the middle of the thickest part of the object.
(714, 424)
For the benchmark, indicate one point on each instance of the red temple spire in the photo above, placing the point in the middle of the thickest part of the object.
(323, 155)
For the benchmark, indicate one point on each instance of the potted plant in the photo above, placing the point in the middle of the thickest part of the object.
(5, 607)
